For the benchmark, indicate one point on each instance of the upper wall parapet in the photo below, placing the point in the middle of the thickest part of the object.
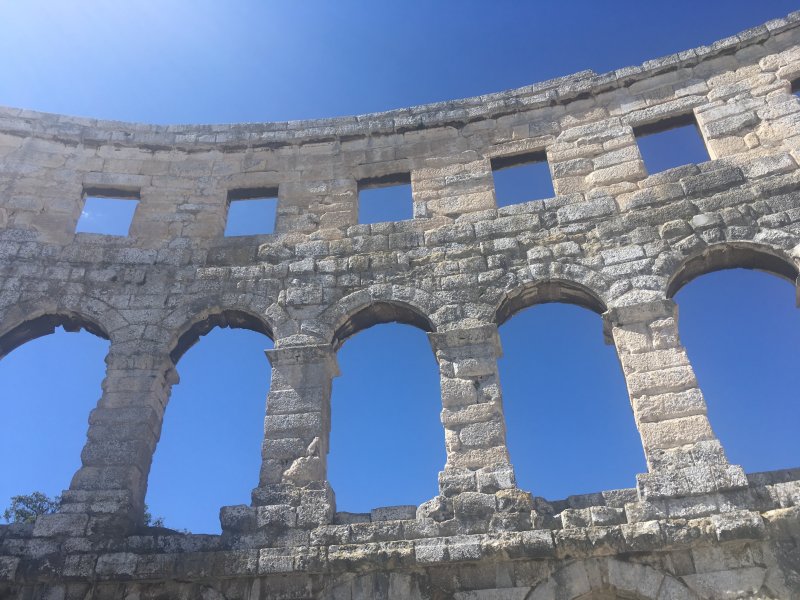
(774, 35)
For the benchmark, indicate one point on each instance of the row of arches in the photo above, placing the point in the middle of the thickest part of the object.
(388, 303)
(558, 409)
(529, 391)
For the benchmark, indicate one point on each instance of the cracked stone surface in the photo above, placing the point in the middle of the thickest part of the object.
(614, 239)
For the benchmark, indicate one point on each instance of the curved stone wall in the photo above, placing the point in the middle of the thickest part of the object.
(614, 239)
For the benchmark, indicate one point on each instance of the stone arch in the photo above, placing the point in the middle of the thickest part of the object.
(380, 304)
(29, 321)
(601, 577)
(544, 291)
(209, 318)
(732, 255)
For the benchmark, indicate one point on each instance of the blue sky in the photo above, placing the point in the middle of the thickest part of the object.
(570, 428)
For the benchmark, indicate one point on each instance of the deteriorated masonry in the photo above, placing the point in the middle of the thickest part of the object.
(614, 239)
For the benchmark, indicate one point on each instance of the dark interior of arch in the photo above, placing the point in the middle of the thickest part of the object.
(231, 318)
(550, 291)
(731, 257)
(45, 325)
(380, 312)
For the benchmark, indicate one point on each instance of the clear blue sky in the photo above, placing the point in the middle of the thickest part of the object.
(570, 427)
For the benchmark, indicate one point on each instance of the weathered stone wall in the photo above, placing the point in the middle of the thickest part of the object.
(614, 239)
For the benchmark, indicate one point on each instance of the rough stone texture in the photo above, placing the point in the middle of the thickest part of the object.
(615, 239)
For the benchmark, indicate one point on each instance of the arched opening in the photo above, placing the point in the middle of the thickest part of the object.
(545, 292)
(569, 425)
(209, 453)
(50, 380)
(376, 313)
(732, 256)
(387, 444)
(741, 331)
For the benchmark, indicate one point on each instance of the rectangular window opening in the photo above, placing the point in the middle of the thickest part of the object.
(107, 211)
(387, 198)
(251, 211)
(521, 178)
(796, 87)
(671, 143)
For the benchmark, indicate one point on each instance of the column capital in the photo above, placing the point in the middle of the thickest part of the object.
(300, 355)
(644, 312)
(451, 339)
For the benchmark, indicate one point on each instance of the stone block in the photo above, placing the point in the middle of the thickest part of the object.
(644, 536)
(433, 550)
(393, 513)
(237, 519)
(271, 560)
(572, 518)
(712, 181)
(739, 525)
(676, 432)
(464, 548)
(8, 568)
(509, 593)
(474, 506)
(61, 524)
(456, 481)
(661, 407)
(346, 518)
(117, 564)
(493, 479)
(586, 210)
(280, 515)
(482, 435)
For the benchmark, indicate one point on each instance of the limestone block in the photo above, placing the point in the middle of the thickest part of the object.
(116, 564)
(431, 550)
(643, 536)
(271, 560)
(474, 506)
(8, 568)
(477, 458)
(393, 513)
(655, 360)
(632, 576)
(237, 519)
(663, 407)
(304, 424)
(515, 593)
(711, 181)
(496, 479)
(464, 548)
(586, 210)
(672, 379)
(454, 481)
(475, 367)
(472, 413)
(744, 581)
(60, 524)
(281, 515)
(676, 432)
(738, 525)
(768, 165)
(483, 435)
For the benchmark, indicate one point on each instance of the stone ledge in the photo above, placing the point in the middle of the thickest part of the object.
(578, 542)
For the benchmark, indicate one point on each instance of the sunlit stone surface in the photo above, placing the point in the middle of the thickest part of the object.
(614, 239)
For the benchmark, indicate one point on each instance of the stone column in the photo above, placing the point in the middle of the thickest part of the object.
(107, 493)
(684, 457)
(472, 411)
(293, 480)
